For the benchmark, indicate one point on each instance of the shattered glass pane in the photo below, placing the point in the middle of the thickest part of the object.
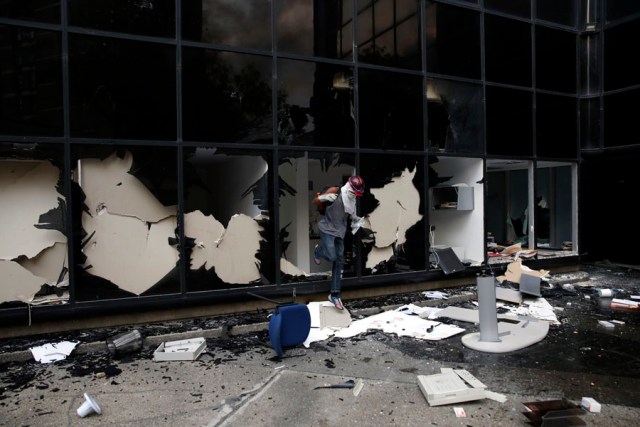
(33, 248)
(227, 220)
(126, 226)
(302, 175)
(455, 117)
(393, 238)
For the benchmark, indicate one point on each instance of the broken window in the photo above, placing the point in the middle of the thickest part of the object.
(302, 175)
(456, 207)
(555, 210)
(226, 220)
(393, 237)
(455, 116)
(33, 248)
(125, 220)
(508, 192)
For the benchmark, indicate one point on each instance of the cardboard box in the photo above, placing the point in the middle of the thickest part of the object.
(590, 404)
(180, 350)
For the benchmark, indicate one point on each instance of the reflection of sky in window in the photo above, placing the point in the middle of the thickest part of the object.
(295, 78)
(237, 23)
(295, 21)
(238, 61)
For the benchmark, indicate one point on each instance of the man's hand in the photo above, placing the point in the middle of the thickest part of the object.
(356, 223)
(329, 198)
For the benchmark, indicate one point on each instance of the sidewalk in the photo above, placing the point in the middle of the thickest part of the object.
(239, 381)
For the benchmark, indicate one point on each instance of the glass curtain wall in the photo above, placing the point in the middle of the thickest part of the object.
(174, 156)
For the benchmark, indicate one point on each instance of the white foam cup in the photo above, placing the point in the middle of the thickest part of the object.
(88, 407)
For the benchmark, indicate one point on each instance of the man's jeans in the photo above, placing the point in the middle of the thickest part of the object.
(332, 249)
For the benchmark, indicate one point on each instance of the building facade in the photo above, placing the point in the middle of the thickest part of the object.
(158, 154)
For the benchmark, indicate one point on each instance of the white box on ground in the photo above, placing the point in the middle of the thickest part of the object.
(590, 404)
(445, 388)
(180, 350)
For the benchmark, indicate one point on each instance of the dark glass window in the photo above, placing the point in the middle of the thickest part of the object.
(390, 106)
(616, 9)
(124, 221)
(234, 23)
(393, 204)
(226, 222)
(453, 40)
(150, 18)
(621, 118)
(619, 42)
(315, 102)
(561, 12)
(32, 10)
(121, 88)
(389, 33)
(509, 122)
(520, 8)
(455, 117)
(590, 123)
(226, 96)
(556, 126)
(555, 60)
(507, 51)
(309, 27)
(31, 82)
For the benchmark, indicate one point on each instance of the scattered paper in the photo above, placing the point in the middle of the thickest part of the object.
(436, 294)
(459, 412)
(400, 324)
(52, 352)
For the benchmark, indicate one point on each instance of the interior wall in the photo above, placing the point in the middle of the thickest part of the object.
(461, 228)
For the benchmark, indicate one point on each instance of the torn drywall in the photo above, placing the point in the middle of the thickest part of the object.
(397, 212)
(18, 283)
(231, 251)
(108, 184)
(130, 253)
(28, 190)
(378, 255)
(129, 228)
(50, 264)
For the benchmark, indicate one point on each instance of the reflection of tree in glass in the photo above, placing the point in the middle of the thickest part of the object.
(240, 99)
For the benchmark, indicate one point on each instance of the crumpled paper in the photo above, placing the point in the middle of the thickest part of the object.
(53, 352)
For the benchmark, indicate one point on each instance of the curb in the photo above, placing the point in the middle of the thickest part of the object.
(229, 332)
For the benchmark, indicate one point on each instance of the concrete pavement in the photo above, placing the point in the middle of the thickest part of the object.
(239, 381)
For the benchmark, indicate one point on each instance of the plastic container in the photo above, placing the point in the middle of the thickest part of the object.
(127, 342)
(605, 293)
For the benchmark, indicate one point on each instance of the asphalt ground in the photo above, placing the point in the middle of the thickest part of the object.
(239, 380)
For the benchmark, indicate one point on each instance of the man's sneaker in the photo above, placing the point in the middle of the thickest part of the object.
(335, 300)
(316, 255)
